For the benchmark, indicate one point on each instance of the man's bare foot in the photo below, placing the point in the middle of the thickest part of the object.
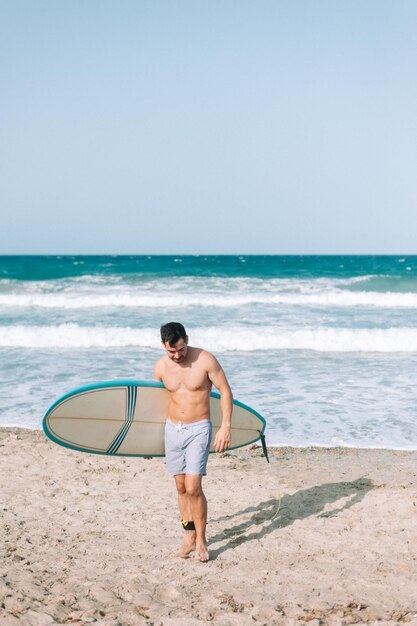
(201, 553)
(187, 547)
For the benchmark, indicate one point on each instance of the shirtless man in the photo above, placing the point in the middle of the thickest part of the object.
(188, 374)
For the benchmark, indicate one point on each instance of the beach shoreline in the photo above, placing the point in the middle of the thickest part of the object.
(319, 535)
(285, 446)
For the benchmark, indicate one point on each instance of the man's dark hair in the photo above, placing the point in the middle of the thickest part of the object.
(173, 332)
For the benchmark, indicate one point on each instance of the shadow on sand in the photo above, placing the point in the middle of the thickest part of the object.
(273, 514)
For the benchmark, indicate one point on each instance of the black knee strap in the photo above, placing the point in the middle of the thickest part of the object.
(187, 525)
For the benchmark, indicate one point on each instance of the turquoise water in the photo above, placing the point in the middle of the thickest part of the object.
(395, 268)
(325, 347)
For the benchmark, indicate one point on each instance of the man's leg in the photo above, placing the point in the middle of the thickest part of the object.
(198, 506)
(186, 514)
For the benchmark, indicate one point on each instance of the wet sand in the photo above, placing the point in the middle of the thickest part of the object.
(318, 536)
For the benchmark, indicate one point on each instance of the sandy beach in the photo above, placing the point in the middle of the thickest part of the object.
(318, 536)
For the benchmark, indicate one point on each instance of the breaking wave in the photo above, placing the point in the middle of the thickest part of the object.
(217, 339)
(335, 298)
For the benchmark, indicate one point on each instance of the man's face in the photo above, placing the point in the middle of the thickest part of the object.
(178, 351)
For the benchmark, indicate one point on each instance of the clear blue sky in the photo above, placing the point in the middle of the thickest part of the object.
(213, 126)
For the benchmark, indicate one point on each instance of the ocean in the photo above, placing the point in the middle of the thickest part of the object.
(324, 347)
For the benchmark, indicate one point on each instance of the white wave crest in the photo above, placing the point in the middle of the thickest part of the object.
(153, 299)
(216, 339)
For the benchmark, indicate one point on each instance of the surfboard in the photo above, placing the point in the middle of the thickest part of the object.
(127, 418)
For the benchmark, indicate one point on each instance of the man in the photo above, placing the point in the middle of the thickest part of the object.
(188, 374)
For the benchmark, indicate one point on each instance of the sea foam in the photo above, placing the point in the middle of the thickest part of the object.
(155, 299)
(219, 339)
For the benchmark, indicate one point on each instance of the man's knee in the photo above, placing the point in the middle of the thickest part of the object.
(193, 486)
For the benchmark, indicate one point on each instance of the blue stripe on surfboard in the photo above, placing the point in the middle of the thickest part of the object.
(131, 403)
(130, 411)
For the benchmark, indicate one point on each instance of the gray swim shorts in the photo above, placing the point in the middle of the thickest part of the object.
(187, 447)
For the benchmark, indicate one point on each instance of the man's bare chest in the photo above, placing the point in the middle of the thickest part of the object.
(186, 380)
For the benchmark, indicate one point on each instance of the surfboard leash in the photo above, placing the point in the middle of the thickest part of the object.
(265, 451)
(264, 448)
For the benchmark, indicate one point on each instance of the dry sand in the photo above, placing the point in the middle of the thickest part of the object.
(319, 536)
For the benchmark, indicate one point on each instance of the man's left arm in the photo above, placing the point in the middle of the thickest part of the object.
(219, 380)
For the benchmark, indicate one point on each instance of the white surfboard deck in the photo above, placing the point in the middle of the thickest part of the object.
(127, 418)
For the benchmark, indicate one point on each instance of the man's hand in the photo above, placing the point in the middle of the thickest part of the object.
(222, 439)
